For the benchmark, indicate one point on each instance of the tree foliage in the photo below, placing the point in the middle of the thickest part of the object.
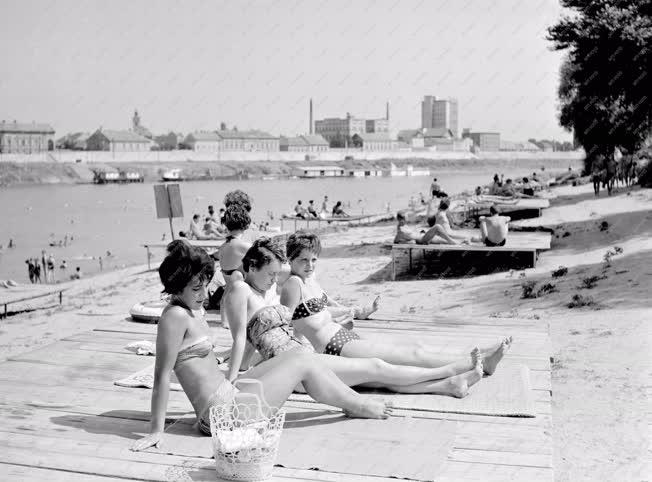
(605, 79)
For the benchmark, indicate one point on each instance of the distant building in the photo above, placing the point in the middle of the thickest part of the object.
(518, 146)
(412, 138)
(547, 146)
(376, 125)
(485, 141)
(25, 138)
(339, 132)
(252, 140)
(75, 141)
(138, 128)
(439, 113)
(203, 141)
(117, 141)
(376, 141)
(305, 143)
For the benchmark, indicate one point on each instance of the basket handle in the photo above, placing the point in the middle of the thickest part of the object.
(251, 395)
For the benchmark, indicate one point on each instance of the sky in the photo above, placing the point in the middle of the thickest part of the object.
(189, 65)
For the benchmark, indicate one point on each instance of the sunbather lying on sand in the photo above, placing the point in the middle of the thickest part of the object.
(183, 345)
(303, 296)
(267, 327)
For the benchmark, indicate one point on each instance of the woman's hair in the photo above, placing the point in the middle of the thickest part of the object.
(237, 197)
(262, 252)
(301, 240)
(443, 204)
(236, 217)
(182, 263)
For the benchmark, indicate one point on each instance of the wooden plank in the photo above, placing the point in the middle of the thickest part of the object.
(479, 472)
(26, 473)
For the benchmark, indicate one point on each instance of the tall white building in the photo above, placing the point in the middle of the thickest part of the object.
(439, 113)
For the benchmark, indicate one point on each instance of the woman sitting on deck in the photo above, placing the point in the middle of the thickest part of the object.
(304, 297)
(267, 326)
(183, 345)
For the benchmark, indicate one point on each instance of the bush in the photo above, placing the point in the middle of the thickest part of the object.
(578, 301)
(559, 272)
(527, 289)
(590, 282)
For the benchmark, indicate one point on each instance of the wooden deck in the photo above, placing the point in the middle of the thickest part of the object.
(63, 419)
(300, 223)
(527, 243)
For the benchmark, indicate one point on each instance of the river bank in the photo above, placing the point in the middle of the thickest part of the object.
(601, 363)
(32, 173)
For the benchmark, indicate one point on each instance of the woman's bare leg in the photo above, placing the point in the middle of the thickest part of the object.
(456, 386)
(356, 371)
(282, 373)
(416, 354)
(436, 230)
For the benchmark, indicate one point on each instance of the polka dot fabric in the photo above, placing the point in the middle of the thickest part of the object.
(338, 341)
(310, 307)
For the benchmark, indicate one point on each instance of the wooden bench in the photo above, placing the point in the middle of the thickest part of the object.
(517, 242)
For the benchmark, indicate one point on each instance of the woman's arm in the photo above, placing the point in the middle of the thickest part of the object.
(170, 333)
(291, 294)
(236, 313)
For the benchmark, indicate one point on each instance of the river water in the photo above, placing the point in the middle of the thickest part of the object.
(119, 218)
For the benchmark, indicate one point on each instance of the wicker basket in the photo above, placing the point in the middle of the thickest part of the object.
(245, 436)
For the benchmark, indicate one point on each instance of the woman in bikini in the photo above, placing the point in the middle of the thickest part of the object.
(267, 327)
(183, 344)
(307, 302)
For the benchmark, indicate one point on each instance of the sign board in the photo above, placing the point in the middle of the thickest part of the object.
(168, 202)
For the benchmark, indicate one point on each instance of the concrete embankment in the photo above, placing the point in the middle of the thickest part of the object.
(50, 172)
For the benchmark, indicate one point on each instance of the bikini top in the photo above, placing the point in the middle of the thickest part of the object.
(197, 349)
(310, 306)
(266, 319)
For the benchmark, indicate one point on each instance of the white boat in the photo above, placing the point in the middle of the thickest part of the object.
(172, 175)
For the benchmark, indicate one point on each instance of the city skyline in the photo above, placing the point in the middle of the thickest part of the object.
(81, 66)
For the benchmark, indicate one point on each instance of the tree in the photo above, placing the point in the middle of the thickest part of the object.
(222, 126)
(604, 80)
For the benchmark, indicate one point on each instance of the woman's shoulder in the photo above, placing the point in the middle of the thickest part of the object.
(292, 283)
(174, 314)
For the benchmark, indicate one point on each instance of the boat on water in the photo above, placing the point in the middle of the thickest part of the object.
(172, 175)
(117, 177)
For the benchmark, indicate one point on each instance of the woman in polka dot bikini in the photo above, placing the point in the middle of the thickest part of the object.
(312, 318)
(255, 319)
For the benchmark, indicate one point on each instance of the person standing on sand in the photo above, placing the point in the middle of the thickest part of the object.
(30, 270)
(49, 274)
(37, 271)
(45, 265)
(325, 208)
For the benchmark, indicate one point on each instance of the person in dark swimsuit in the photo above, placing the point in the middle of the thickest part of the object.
(183, 346)
(267, 327)
(303, 250)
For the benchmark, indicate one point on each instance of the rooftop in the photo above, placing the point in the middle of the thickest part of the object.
(26, 127)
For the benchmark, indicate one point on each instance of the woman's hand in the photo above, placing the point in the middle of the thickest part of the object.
(151, 440)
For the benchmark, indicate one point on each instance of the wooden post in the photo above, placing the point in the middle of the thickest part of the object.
(61, 297)
(148, 258)
(393, 265)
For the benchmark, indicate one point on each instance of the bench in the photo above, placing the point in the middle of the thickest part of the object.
(529, 243)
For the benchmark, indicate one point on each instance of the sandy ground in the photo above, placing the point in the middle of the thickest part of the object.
(602, 363)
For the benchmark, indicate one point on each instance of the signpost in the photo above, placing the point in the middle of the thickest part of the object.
(168, 202)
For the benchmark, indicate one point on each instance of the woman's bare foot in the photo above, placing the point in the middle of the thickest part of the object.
(491, 361)
(371, 408)
(460, 384)
(363, 313)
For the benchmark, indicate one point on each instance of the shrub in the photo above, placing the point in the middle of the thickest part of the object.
(590, 282)
(527, 288)
(578, 301)
(559, 272)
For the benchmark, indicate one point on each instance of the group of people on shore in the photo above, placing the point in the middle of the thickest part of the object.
(47, 265)
(288, 333)
(310, 211)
